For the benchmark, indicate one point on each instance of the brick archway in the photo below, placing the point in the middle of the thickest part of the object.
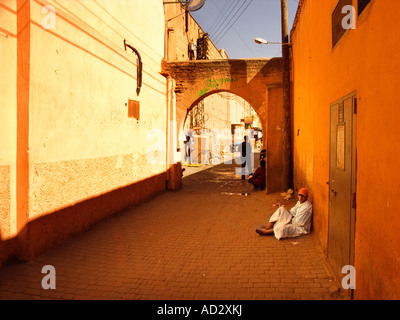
(258, 81)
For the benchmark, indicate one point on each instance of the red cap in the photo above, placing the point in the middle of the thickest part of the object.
(304, 192)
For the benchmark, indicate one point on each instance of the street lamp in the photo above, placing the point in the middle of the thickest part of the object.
(263, 41)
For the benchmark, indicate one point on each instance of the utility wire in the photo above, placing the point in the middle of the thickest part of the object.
(220, 31)
(225, 15)
(221, 24)
(219, 17)
(234, 21)
(244, 42)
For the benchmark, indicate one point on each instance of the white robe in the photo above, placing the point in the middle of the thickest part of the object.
(292, 223)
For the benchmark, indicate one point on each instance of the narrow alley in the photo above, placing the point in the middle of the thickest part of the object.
(193, 244)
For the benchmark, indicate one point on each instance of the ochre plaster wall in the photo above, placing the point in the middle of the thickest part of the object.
(366, 61)
(80, 131)
(8, 113)
(68, 139)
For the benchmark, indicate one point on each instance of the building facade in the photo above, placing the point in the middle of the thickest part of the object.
(345, 129)
(84, 116)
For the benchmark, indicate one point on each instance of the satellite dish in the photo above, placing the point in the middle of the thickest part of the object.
(193, 5)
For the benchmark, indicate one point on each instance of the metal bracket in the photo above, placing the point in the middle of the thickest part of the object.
(181, 2)
(190, 5)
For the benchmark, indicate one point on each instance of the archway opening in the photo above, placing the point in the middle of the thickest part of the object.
(214, 129)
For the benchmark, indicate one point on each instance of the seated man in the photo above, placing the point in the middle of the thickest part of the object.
(257, 179)
(293, 223)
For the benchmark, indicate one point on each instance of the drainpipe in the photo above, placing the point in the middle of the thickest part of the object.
(172, 139)
(139, 67)
(174, 133)
(169, 102)
(173, 127)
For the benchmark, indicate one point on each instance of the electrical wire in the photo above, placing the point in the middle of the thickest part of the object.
(241, 38)
(222, 11)
(222, 29)
(234, 21)
(218, 26)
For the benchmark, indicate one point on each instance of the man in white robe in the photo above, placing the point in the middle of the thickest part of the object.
(293, 223)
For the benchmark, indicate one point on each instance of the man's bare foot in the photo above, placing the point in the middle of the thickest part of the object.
(264, 232)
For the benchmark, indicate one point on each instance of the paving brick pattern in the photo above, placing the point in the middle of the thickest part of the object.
(195, 244)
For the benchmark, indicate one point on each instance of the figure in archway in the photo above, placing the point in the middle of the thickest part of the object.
(245, 157)
(188, 147)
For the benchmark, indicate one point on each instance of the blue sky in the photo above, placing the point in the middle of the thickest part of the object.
(252, 18)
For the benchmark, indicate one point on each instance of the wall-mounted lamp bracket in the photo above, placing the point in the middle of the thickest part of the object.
(139, 69)
(181, 2)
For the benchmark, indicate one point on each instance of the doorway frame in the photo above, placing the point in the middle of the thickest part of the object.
(353, 187)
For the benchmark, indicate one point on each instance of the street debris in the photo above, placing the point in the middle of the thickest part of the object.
(287, 195)
(236, 194)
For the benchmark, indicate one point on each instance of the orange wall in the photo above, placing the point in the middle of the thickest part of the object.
(365, 60)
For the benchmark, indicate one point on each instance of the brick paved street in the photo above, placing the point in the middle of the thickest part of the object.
(195, 244)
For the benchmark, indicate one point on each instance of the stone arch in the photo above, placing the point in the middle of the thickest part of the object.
(216, 91)
(258, 81)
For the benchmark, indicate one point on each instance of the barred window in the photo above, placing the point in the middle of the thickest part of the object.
(362, 4)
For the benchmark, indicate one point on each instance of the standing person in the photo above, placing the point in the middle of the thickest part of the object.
(245, 153)
(188, 143)
(257, 179)
(293, 223)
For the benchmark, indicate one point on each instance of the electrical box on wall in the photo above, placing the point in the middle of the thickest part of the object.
(134, 109)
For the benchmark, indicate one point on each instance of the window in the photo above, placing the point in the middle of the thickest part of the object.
(337, 17)
(362, 4)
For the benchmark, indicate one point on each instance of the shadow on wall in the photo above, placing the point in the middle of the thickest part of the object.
(50, 230)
